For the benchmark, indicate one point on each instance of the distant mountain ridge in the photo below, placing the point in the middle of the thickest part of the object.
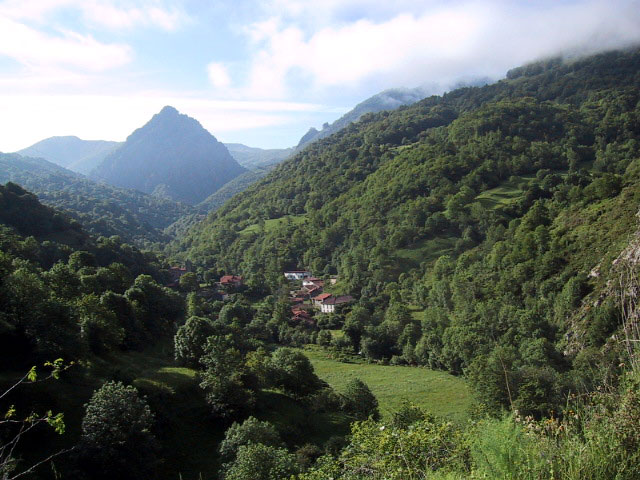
(387, 100)
(251, 157)
(172, 156)
(71, 152)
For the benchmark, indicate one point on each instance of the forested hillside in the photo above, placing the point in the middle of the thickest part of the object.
(486, 207)
(101, 209)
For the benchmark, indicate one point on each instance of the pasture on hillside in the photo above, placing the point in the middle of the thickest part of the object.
(439, 393)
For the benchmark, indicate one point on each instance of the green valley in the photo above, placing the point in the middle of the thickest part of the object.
(445, 290)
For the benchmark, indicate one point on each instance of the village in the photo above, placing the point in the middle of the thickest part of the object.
(310, 297)
(306, 295)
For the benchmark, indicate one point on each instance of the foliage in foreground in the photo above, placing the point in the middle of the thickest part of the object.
(597, 437)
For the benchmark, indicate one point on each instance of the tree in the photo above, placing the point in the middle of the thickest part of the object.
(360, 401)
(117, 441)
(156, 307)
(99, 326)
(250, 431)
(292, 372)
(226, 379)
(189, 282)
(190, 340)
(256, 461)
(354, 324)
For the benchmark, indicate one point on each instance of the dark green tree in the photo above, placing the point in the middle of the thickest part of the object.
(251, 430)
(117, 439)
(190, 340)
(359, 401)
(256, 461)
(293, 373)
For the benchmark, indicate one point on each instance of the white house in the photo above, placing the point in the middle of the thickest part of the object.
(328, 305)
(297, 274)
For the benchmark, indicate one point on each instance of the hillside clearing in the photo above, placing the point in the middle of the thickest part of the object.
(437, 392)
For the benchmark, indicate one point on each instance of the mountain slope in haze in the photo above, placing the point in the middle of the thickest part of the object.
(386, 100)
(71, 152)
(173, 156)
(102, 209)
(251, 157)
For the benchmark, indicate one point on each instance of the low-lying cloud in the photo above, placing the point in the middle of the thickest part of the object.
(438, 44)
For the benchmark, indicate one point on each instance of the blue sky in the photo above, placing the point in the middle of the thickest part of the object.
(261, 72)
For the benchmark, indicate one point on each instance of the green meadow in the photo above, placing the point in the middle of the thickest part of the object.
(273, 223)
(437, 392)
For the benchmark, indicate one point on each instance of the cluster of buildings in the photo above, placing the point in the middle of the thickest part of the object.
(306, 300)
(310, 296)
(219, 291)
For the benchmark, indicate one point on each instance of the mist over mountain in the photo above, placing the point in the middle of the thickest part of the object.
(172, 156)
(386, 100)
(71, 152)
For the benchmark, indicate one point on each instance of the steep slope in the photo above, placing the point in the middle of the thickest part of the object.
(101, 209)
(486, 207)
(172, 156)
(70, 152)
(235, 186)
(21, 210)
(387, 100)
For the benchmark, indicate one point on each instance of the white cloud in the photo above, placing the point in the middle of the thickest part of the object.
(112, 14)
(33, 48)
(218, 75)
(431, 42)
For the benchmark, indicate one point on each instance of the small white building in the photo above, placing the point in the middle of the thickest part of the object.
(297, 274)
(329, 304)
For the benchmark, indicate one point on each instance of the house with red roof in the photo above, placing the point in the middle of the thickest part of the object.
(329, 304)
(175, 273)
(317, 300)
(231, 281)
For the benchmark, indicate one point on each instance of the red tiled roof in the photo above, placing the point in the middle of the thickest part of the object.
(230, 279)
(322, 296)
(338, 300)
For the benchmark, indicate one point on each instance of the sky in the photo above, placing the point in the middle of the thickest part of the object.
(262, 72)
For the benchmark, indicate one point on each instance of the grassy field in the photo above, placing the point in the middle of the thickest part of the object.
(425, 251)
(505, 193)
(438, 392)
(273, 223)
